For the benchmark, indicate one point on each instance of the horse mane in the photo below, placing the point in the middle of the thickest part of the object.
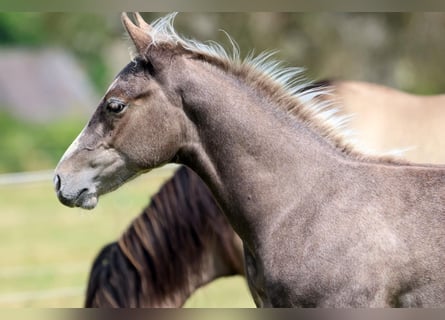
(113, 281)
(164, 249)
(286, 87)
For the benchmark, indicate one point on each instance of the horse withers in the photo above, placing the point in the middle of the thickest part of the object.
(322, 223)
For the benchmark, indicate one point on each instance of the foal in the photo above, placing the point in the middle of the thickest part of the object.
(180, 242)
(363, 99)
(322, 224)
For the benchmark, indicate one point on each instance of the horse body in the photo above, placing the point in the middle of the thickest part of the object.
(321, 224)
(180, 242)
(361, 246)
(386, 119)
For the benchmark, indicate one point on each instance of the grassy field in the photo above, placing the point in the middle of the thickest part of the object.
(46, 249)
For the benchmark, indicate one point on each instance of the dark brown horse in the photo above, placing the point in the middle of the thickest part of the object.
(180, 242)
(322, 223)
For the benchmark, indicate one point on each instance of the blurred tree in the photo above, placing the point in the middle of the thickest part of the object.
(403, 50)
(21, 29)
(85, 35)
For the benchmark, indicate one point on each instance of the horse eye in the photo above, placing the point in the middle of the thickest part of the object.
(115, 106)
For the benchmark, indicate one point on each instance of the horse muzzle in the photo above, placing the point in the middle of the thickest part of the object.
(85, 198)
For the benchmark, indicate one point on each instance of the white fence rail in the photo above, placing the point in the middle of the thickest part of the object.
(25, 177)
(47, 175)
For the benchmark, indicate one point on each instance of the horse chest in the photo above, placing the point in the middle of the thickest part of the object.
(267, 286)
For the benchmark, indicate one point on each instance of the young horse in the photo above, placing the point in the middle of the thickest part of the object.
(360, 98)
(321, 223)
(180, 242)
(386, 118)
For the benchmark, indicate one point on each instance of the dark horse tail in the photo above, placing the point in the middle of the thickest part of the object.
(166, 248)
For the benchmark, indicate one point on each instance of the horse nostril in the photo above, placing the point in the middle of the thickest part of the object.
(57, 182)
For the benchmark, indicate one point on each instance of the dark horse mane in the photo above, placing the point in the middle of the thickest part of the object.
(165, 249)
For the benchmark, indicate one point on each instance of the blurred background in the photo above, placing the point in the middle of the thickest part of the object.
(54, 67)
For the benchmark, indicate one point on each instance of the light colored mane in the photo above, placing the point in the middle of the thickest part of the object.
(284, 86)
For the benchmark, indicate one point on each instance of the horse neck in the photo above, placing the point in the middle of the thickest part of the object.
(245, 148)
(179, 243)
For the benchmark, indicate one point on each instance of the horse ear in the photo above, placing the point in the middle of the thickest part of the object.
(139, 34)
(141, 23)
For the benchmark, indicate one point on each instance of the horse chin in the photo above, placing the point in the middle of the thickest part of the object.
(87, 201)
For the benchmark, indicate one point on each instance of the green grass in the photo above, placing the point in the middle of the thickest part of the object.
(230, 292)
(46, 247)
